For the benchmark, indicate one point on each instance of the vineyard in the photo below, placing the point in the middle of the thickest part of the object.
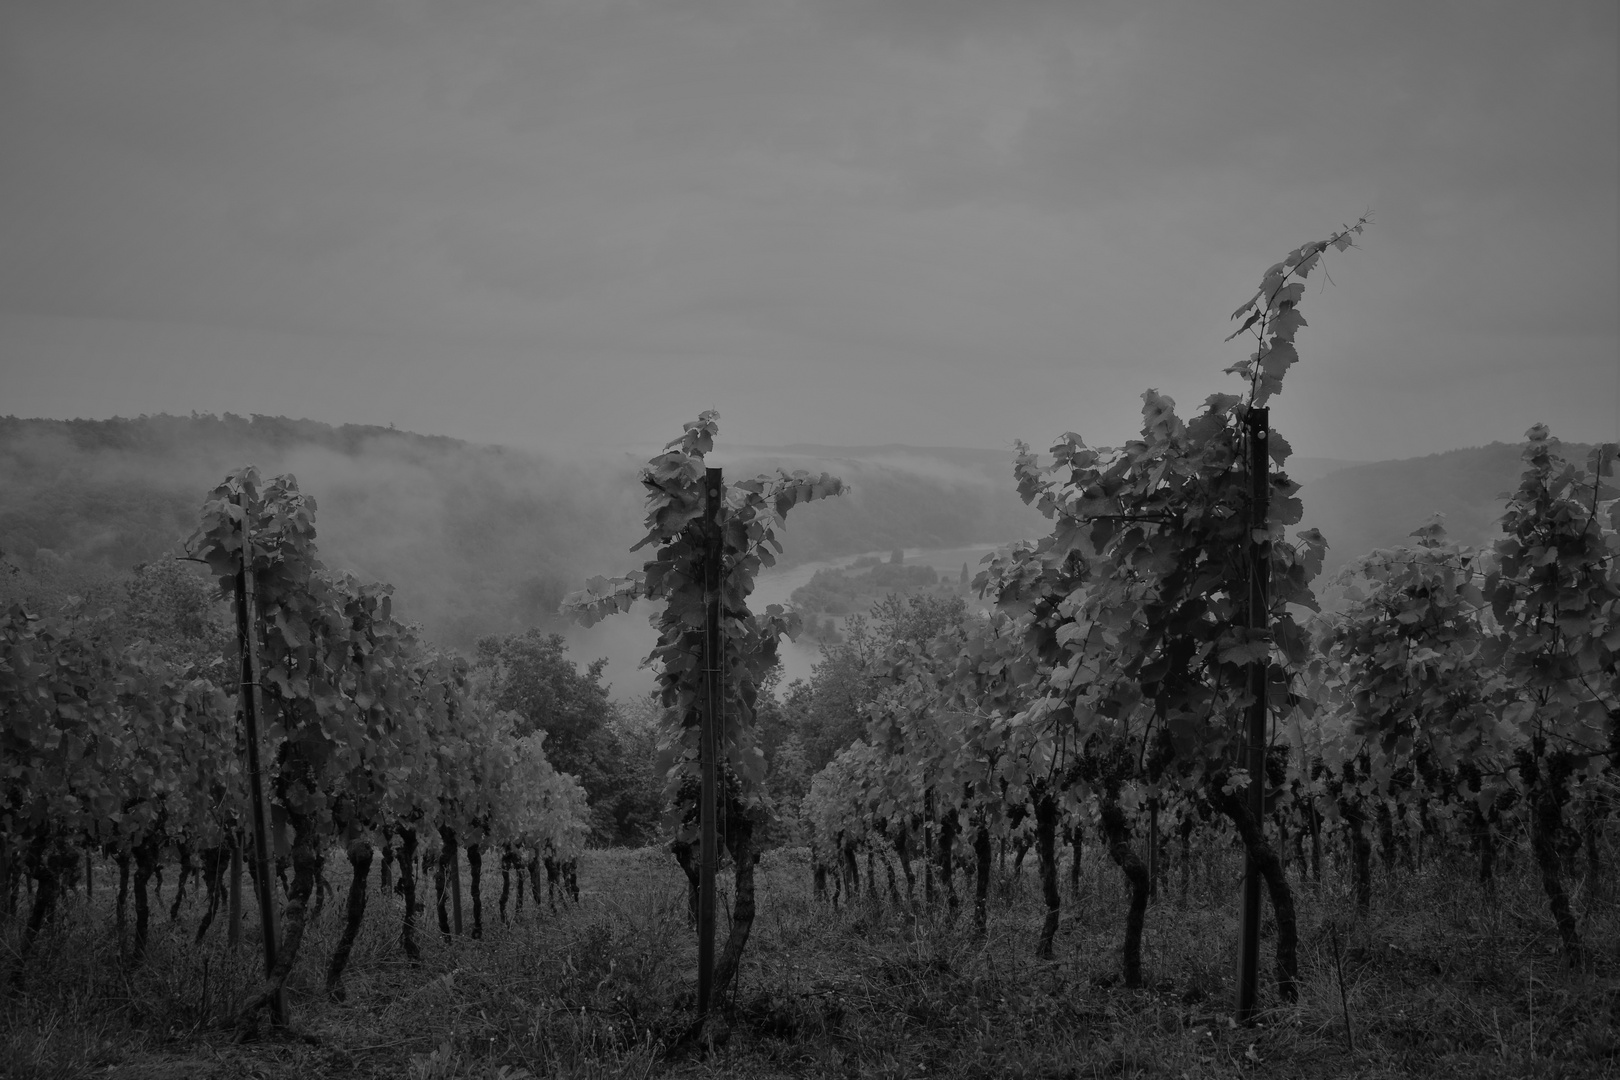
(1174, 806)
(373, 740)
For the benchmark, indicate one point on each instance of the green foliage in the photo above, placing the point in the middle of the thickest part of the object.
(748, 518)
(1115, 671)
(482, 539)
(1134, 605)
(121, 728)
(544, 691)
(535, 679)
(168, 603)
(1473, 656)
(1375, 505)
(1488, 681)
(479, 540)
(845, 591)
(104, 745)
(331, 656)
(1408, 651)
(116, 726)
(1554, 591)
(1136, 600)
(367, 727)
(834, 709)
(1273, 315)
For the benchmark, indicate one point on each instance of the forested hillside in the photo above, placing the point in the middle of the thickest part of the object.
(486, 540)
(1360, 507)
(902, 497)
(476, 539)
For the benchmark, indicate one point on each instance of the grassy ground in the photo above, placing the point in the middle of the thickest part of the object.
(1437, 982)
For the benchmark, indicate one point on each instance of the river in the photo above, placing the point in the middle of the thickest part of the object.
(776, 586)
(624, 639)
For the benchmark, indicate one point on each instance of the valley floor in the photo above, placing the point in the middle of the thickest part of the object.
(1436, 982)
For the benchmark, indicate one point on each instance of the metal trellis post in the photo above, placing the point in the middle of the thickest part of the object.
(247, 621)
(1258, 422)
(708, 736)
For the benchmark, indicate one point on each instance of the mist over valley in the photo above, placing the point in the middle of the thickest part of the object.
(483, 540)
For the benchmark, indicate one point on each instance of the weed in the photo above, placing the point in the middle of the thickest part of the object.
(1431, 985)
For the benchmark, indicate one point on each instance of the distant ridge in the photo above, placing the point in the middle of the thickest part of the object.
(477, 539)
(482, 539)
(956, 455)
(162, 430)
(1360, 507)
(1304, 470)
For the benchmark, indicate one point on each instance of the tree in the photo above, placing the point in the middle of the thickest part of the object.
(534, 678)
(640, 800)
(832, 712)
(170, 604)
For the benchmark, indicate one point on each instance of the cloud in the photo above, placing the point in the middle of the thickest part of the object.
(1014, 215)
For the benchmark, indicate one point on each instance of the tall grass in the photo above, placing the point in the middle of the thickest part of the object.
(1437, 981)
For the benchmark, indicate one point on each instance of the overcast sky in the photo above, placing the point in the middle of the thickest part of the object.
(937, 222)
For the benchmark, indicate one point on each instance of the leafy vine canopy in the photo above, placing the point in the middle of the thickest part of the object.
(750, 515)
(1135, 604)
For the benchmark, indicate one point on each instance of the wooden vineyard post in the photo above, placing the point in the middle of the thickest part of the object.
(928, 846)
(708, 737)
(1258, 422)
(1153, 850)
(247, 621)
(455, 883)
(233, 928)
